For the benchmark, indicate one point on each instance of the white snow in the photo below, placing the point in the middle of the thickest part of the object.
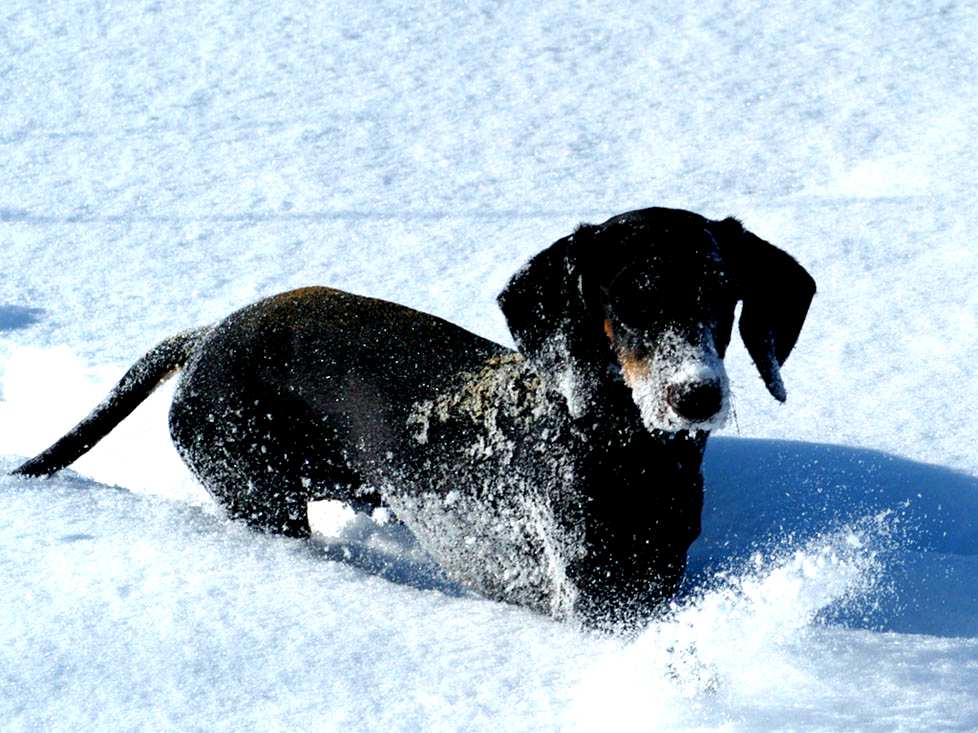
(165, 163)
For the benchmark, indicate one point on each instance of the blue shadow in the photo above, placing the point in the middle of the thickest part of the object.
(13, 317)
(760, 493)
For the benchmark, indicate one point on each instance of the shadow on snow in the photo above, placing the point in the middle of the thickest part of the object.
(761, 496)
(766, 493)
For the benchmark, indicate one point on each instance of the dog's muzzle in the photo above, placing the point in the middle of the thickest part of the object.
(680, 386)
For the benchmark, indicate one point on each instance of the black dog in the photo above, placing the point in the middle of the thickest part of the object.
(564, 477)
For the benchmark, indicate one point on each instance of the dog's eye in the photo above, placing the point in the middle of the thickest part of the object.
(636, 311)
(634, 299)
(640, 311)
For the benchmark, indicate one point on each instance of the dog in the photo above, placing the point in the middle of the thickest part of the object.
(563, 476)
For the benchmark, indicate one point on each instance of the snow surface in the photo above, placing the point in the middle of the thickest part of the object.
(165, 163)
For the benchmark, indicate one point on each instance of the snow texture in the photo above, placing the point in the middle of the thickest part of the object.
(166, 163)
(515, 526)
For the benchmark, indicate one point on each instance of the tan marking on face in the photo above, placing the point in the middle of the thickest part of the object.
(633, 369)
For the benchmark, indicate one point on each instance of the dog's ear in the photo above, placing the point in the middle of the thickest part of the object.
(553, 322)
(776, 292)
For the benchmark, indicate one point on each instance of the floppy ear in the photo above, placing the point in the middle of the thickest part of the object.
(547, 312)
(776, 292)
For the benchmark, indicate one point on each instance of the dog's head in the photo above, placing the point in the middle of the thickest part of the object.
(650, 294)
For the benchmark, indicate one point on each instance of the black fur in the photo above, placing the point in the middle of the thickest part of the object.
(531, 476)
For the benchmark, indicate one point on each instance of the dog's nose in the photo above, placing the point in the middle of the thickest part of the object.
(696, 401)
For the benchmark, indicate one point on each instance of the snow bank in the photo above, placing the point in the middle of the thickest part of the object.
(138, 612)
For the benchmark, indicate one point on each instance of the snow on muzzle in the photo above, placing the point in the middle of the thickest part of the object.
(679, 385)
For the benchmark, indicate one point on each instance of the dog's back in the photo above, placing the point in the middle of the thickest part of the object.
(297, 387)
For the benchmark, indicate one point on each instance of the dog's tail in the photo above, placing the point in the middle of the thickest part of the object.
(154, 368)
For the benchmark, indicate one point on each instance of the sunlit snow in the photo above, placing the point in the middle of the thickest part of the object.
(165, 163)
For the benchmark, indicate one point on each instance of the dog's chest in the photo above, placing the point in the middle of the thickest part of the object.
(487, 482)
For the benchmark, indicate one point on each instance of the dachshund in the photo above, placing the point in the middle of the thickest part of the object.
(564, 476)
